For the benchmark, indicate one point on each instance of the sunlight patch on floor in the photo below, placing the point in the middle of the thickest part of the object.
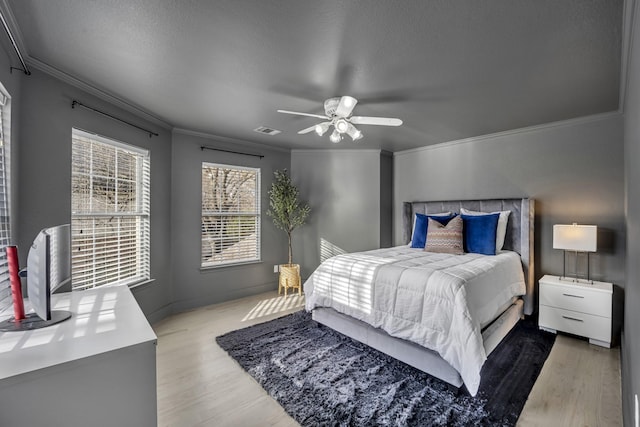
(275, 305)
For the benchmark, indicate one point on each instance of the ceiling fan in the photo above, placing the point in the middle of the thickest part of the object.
(338, 114)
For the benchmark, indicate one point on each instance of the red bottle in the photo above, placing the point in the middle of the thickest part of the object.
(16, 285)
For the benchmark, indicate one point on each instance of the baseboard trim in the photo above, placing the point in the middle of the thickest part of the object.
(230, 295)
(159, 315)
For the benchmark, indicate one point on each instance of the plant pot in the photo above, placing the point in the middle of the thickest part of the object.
(289, 278)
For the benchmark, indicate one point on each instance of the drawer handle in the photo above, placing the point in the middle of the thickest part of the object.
(574, 296)
(572, 318)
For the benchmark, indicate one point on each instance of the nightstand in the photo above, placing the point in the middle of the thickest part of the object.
(578, 308)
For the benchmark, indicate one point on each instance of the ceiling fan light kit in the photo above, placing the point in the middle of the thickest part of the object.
(335, 136)
(338, 113)
(342, 125)
(354, 133)
(321, 128)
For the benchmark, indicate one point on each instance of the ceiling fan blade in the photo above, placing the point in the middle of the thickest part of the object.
(307, 130)
(320, 128)
(345, 107)
(379, 121)
(295, 113)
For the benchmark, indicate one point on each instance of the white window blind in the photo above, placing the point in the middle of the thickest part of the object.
(110, 212)
(5, 220)
(230, 215)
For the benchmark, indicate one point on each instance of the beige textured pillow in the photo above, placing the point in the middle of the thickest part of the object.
(445, 238)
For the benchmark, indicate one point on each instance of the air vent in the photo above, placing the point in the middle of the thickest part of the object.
(266, 130)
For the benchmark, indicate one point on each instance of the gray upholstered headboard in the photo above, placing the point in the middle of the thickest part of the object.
(519, 236)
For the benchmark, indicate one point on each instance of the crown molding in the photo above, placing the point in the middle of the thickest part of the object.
(67, 78)
(334, 150)
(563, 123)
(99, 93)
(229, 140)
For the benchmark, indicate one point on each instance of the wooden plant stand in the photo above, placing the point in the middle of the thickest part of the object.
(289, 278)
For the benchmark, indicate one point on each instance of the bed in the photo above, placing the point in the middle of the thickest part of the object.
(368, 296)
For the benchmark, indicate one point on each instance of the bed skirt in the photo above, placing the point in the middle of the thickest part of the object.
(413, 354)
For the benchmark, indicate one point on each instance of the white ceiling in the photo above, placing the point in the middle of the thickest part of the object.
(450, 69)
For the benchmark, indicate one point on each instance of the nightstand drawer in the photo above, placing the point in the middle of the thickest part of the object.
(576, 298)
(586, 325)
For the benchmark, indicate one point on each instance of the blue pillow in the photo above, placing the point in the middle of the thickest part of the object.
(419, 238)
(479, 233)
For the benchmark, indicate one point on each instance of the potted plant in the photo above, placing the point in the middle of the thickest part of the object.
(288, 213)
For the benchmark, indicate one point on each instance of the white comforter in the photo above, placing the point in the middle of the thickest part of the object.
(439, 301)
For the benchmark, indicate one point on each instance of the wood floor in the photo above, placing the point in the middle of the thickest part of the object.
(200, 385)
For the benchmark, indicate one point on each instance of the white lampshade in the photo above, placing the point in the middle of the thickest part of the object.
(581, 238)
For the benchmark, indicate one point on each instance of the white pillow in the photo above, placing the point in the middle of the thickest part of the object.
(501, 230)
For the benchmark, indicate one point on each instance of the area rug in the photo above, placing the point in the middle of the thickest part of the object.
(323, 378)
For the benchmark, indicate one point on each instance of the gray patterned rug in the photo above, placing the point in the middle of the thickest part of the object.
(322, 378)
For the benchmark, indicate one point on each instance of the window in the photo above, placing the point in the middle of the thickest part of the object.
(109, 212)
(5, 220)
(230, 215)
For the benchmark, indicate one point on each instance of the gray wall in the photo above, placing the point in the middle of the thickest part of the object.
(42, 171)
(44, 178)
(193, 287)
(631, 334)
(344, 189)
(574, 171)
(386, 199)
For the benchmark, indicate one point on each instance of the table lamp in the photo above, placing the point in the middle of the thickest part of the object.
(576, 238)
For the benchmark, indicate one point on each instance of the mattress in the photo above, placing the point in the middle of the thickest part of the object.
(438, 301)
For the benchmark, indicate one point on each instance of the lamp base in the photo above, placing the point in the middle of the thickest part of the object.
(576, 279)
(33, 321)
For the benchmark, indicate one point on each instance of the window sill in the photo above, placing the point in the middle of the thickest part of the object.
(142, 284)
(211, 268)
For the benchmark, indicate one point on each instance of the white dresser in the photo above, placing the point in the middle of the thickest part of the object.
(578, 308)
(96, 369)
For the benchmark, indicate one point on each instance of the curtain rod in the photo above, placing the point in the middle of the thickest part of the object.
(24, 69)
(204, 147)
(74, 103)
